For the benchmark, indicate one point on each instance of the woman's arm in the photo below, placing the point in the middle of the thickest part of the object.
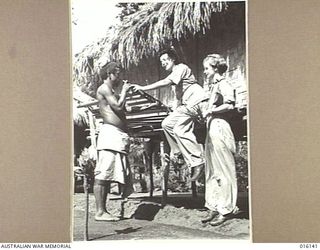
(222, 108)
(222, 99)
(214, 109)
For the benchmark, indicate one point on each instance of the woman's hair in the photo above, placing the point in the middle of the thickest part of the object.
(218, 62)
(108, 68)
(171, 53)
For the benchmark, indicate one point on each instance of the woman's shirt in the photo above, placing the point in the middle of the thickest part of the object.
(221, 92)
(222, 89)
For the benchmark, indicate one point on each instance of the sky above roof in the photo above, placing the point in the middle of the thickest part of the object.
(90, 21)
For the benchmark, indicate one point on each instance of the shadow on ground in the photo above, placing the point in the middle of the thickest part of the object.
(144, 217)
(150, 206)
(146, 211)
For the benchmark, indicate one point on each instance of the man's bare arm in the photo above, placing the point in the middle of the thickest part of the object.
(116, 105)
(156, 85)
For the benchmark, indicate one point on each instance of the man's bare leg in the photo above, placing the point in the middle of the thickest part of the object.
(100, 192)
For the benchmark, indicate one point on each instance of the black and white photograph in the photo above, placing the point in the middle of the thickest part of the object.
(160, 120)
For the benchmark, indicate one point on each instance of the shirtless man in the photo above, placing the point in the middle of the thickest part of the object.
(113, 141)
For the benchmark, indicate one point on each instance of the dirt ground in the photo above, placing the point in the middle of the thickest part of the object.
(145, 218)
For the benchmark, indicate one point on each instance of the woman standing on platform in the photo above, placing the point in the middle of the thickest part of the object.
(220, 172)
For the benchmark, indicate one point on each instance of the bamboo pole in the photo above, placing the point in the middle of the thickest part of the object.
(85, 178)
(148, 157)
(151, 172)
(92, 133)
(165, 175)
(86, 192)
(149, 164)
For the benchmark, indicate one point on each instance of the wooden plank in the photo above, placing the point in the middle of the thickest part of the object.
(136, 102)
(92, 133)
(147, 134)
(88, 104)
(143, 116)
(145, 121)
(146, 107)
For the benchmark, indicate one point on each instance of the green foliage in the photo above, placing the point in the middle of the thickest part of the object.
(84, 168)
(178, 177)
(136, 151)
(177, 183)
(241, 159)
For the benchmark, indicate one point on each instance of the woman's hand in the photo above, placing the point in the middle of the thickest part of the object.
(209, 111)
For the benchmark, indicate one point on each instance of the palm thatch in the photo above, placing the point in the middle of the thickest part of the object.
(86, 64)
(156, 25)
(142, 35)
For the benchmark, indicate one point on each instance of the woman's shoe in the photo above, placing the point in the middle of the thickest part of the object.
(210, 217)
(218, 220)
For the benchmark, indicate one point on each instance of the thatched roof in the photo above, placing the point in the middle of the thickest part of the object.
(87, 62)
(156, 25)
(142, 35)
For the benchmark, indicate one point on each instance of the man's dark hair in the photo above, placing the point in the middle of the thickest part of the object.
(108, 68)
(171, 53)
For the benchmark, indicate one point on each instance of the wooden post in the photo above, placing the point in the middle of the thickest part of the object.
(165, 174)
(85, 178)
(92, 133)
(194, 188)
(86, 224)
(150, 162)
(148, 153)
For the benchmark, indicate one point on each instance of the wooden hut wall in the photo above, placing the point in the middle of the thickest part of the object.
(145, 73)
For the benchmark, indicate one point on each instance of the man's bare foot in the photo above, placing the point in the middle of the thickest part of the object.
(106, 217)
